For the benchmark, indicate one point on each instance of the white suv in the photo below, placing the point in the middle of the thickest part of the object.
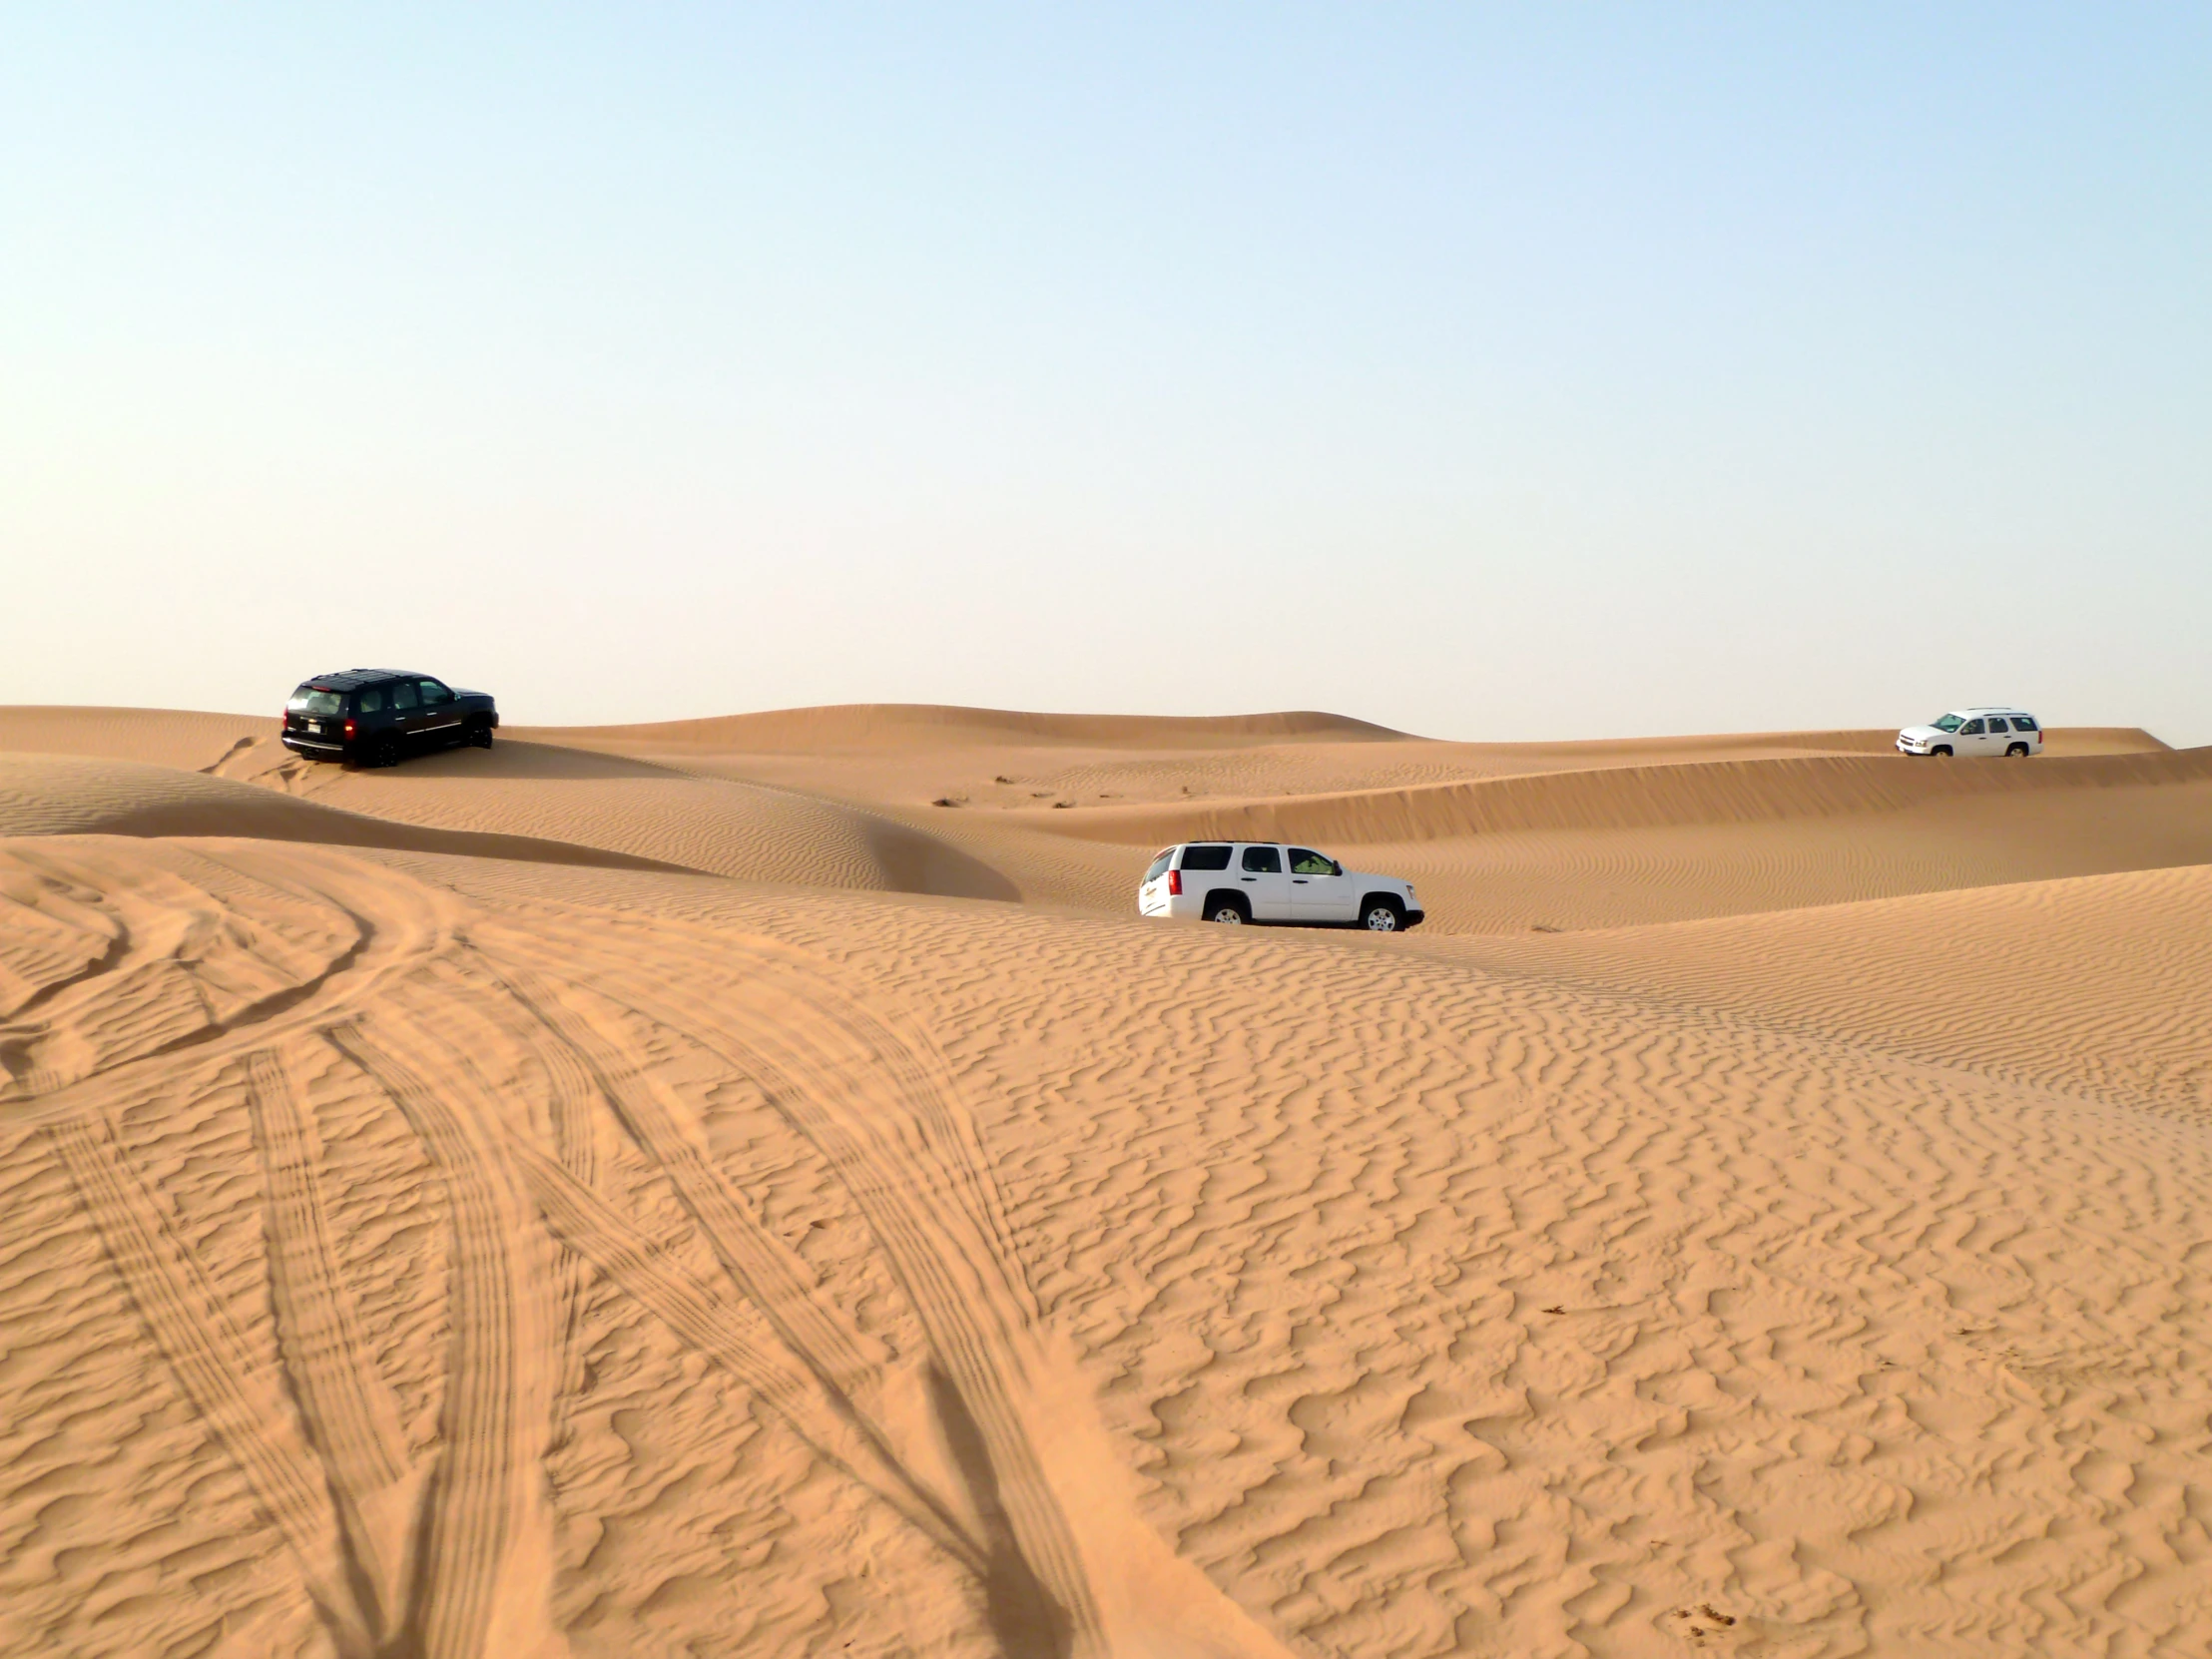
(1975, 731)
(1267, 881)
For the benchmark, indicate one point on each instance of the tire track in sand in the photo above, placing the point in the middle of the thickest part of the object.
(574, 1092)
(772, 1274)
(1096, 1581)
(949, 1279)
(352, 1417)
(243, 1403)
(485, 1558)
(834, 1396)
(395, 925)
(600, 1235)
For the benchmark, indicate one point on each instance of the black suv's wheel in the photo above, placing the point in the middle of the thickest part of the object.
(1224, 907)
(384, 750)
(2019, 749)
(1380, 915)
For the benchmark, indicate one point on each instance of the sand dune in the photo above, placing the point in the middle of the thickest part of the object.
(536, 801)
(746, 830)
(1765, 1213)
(982, 759)
(47, 795)
(160, 736)
(1633, 798)
(1989, 980)
(1711, 839)
(902, 725)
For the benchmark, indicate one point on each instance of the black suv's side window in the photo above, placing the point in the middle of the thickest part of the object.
(371, 701)
(433, 694)
(403, 696)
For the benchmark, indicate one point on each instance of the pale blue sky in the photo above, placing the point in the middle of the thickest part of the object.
(1494, 372)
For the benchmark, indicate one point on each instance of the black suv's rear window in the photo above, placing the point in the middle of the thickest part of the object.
(1205, 858)
(314, 700)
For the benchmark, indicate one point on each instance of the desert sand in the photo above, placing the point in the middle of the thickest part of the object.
(753, 1186)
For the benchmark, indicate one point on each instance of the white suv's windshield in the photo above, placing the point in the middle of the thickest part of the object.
(1950, 723)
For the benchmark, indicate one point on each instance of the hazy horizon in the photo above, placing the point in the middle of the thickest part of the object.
(1499, 374)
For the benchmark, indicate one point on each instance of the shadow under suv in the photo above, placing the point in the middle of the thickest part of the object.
(376, 716)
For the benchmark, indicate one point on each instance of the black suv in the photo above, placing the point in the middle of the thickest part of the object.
(373, 717)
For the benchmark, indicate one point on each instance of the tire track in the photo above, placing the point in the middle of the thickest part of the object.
(923, 1089)
(350, 1417)
(396, 924)
(914, 1166)
(918, 1103)
(54, 939)
(838, 1396)
(948, 1280)
(839, 1399)
(1030, 1615)
(242, 1402)
(573, 1092)
(485, 1556)
(756, 1359)
(770, 1273)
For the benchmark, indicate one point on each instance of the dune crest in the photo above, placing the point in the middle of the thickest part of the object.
(1635, 797)
(67, 796)
(873, 725)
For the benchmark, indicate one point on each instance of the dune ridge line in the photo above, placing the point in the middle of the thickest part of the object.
(1630, 798)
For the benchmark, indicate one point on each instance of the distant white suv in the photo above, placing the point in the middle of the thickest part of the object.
(1268, 882)
(1975, 731)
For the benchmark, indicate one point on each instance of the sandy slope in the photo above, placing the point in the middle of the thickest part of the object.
(427, 1239)
(43, 794)
(2094, 986)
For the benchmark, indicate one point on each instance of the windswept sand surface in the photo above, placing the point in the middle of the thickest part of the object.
(677, 1191)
